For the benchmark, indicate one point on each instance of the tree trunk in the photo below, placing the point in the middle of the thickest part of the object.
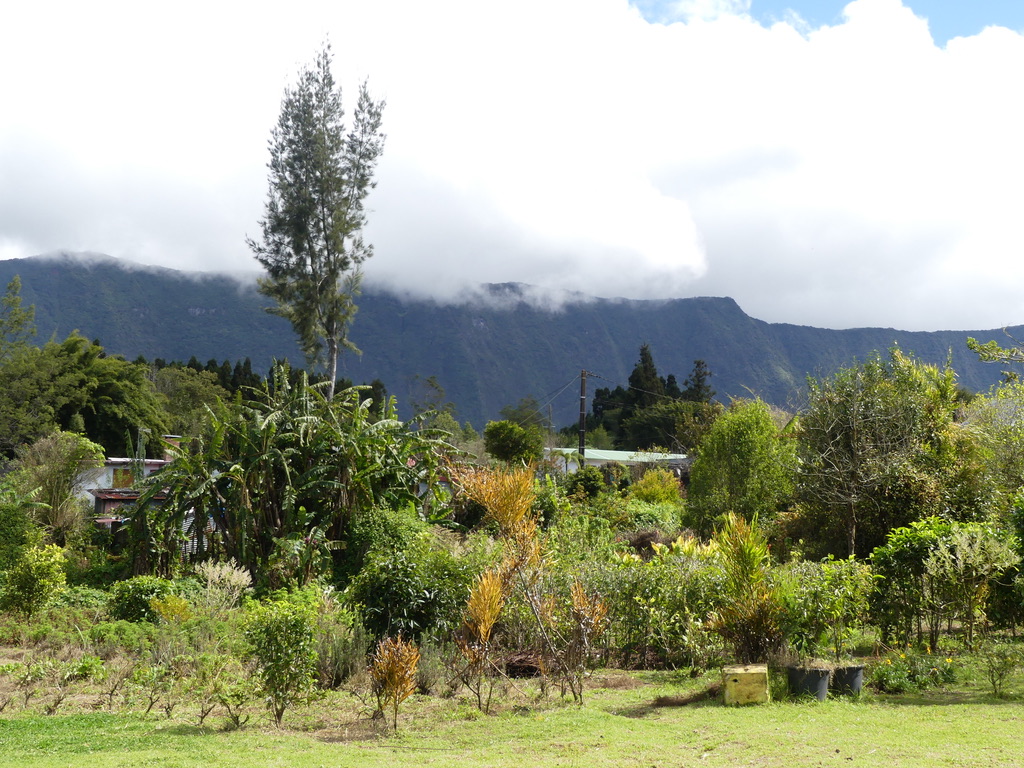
(332, 366)
(851, 531)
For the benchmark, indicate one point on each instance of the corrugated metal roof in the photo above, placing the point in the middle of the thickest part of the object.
(624, 457)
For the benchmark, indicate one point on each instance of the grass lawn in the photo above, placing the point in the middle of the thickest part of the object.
(620, 725)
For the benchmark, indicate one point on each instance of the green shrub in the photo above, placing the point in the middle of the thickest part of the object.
(1000, 661)
(82, 597)
(341, 646)
(587, 482)
(110, 638)
(657, 486)
(373, 530)
(281, 641)
(94, 566)
(580, 538)
(657, 607)
(550, 502)
(86, 668)
(641, 515)
(15, 527)
(512, 443)
(903, 672)
(417, 590)
(752, 616)
(131, 600)
(36, 577)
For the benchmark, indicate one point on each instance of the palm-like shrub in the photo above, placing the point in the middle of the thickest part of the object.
(280, 479)
(752, 616)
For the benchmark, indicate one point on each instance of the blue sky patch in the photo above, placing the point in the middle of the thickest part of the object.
(946, 18)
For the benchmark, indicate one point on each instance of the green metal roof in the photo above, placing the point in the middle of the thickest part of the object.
(624, 457)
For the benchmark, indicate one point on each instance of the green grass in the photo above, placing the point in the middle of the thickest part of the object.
(620, 725)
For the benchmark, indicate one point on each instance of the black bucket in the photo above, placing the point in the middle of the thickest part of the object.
(808, 681)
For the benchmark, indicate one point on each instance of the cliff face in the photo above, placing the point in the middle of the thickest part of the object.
(485, 355)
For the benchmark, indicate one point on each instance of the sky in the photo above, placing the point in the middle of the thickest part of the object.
(822, 163)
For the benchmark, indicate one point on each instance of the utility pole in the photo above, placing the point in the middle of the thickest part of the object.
(583, 416)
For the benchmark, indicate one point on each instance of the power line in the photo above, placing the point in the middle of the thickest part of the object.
(550, 398)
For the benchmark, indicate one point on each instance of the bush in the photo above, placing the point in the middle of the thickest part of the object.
(373, 530)
(588, 483)
(341, 645)
(1000, 661)
(417, 590)
(580, 538)
(171, 609)
(130, 600)
(550, 503)
(393, 671)
(36, 577)
(82, 597)
(281, 640)
(752, 616)
(15, 527)
(641, 515)
(94, 566)
(657, 486)
(110, 638)
(224, 585)
(903, 672)
(512, 443)
(656, 608)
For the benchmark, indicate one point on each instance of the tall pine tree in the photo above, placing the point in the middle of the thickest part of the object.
(312, 244)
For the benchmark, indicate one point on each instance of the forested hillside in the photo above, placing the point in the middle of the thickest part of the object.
(484, 356)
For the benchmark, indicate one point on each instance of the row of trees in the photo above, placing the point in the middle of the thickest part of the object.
(653, 411)
(879, 445)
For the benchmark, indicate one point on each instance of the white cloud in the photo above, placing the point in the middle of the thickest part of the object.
(853, 174)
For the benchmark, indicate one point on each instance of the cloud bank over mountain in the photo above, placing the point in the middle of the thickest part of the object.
(844, 174)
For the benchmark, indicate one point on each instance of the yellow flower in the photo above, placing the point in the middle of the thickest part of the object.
(903, 655)
(888, 661)
(949, 661)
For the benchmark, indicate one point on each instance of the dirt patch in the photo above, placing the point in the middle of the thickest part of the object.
(356, 730)
(614, 681)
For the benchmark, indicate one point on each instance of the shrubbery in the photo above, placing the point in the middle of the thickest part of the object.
(415, 590)
(903, 672)
(35, 578)
(281, 641)
(131, 600)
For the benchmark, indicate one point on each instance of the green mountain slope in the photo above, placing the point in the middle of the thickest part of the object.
(485, 356)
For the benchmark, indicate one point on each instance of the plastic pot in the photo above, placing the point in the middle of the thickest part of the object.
(808, 681)
(848, 680)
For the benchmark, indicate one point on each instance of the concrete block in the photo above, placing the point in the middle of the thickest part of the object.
(745, 684)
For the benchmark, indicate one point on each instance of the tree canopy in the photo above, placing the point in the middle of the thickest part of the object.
(75, 386)
(880, 447)
(311, 240)
(745, 465)
(653, 411)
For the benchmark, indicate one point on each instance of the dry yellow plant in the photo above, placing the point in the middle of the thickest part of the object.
(393, 672)
(484, 606)
(506, 494)
(589, 613)
(486, 600)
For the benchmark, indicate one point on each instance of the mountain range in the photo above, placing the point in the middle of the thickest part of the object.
(486, 352)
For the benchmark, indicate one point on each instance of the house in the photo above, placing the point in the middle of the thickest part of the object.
(110, 486)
